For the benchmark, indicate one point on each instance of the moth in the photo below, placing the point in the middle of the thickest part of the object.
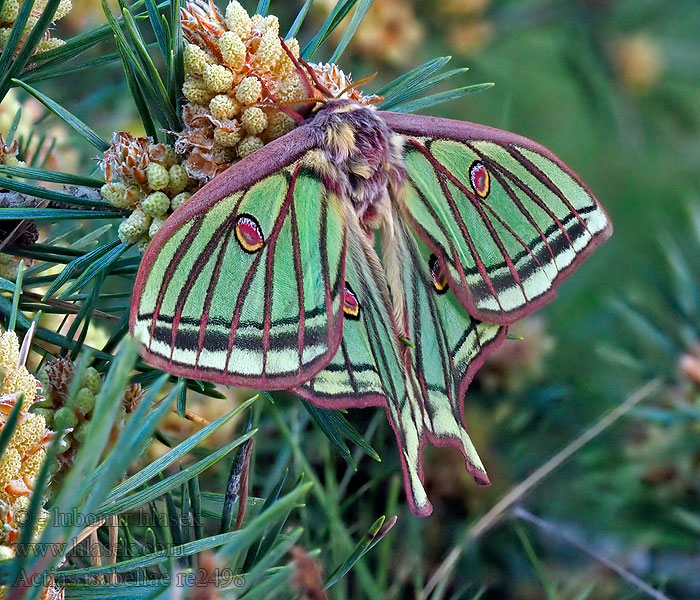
(366, 258)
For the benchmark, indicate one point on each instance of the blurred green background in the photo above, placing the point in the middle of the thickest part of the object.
(613, 88)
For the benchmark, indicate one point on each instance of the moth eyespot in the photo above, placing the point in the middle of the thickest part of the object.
(249, 234)
(480, 179)
(437, 275)
(351, 305)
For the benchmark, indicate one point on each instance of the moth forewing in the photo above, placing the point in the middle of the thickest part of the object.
(243, 284)
(268, 277)
(505, 217)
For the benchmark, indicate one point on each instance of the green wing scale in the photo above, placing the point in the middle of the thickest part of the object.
(422, 388)
(506, 218)
(270, 276)
(449, 346)
(369, 369)
(247, 289)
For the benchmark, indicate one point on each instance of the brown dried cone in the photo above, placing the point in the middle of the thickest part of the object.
(127, 158)
(20, 233)
(148, 179)
(57, 377)
(244, 84)
(132, 397)
(30, 234)
(308, 575)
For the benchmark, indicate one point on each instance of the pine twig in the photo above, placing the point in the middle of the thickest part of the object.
(113, 545)
(496, 513)
(551, 530)
(192, 416)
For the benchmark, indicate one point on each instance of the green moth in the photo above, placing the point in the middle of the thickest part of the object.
(366, 259)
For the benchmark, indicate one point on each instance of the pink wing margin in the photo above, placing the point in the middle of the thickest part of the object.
(274, 156)
(420, 126)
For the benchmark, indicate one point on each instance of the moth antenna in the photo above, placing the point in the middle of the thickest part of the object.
(285, 109)
(300, 70)
(281, 103)
(319, 86)
(292, 113)
(358, 83)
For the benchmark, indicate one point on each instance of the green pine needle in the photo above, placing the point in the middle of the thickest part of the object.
(15, 297)
(67, 117)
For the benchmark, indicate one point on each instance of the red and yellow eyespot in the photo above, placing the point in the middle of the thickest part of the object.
(249, 234)
(437, 275)
(480, 180)
(351, 305)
